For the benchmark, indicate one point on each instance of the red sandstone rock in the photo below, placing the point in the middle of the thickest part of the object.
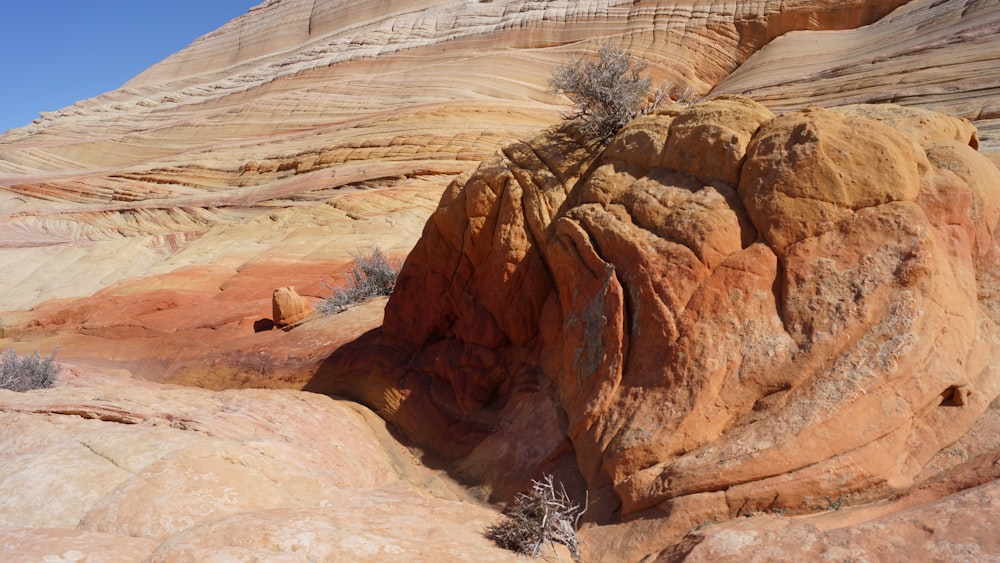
(650, 276)
(288, 307)
(815, 334)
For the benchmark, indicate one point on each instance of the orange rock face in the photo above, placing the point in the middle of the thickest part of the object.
(288, 307)
(736, 307)
(771, 313)
(236, 166)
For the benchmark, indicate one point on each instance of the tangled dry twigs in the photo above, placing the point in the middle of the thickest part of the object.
(372, 274)
(543, 515)
(607, 91)
(24, 373)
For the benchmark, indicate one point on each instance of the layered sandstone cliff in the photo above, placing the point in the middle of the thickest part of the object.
(266, 152)
(739, 307)
(299, 102)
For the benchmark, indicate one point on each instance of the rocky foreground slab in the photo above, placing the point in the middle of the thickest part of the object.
(106, 468)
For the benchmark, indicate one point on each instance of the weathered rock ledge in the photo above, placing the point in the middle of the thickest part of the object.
(108, 468)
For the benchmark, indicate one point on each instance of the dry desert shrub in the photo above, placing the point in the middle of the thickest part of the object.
(607, 92)
(543, 515)
(372, 274)
(24, 373)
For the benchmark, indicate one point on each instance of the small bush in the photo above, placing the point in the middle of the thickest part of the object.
(28, 372)
(372, 274)
(607, 92)
(544, 515)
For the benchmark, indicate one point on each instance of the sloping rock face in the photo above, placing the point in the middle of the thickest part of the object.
(953, 529)
(240, 165)
(724, 312)
(144, 231)
(834, 68)
(113, 469)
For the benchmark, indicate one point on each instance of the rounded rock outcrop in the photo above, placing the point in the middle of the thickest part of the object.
(289, 307)
(803, 313)
(807, 171)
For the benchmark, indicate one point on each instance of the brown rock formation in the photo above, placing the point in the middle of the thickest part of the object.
(725, 312)
(679, 325)
(171, 169)
(949, 527)
(288, 307)
(339, 124)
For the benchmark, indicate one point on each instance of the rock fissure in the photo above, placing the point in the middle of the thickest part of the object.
(106, 457)
(92, 412)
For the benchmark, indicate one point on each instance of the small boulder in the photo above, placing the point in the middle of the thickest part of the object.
(289, 307)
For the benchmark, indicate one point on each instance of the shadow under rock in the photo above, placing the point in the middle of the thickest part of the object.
(381, 377)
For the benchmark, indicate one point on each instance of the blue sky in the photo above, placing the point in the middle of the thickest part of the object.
(56, 52)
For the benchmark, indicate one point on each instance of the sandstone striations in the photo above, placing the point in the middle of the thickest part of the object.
(725, 312)
(739, 307)
(926, 54)
(331, 97)
(339, 124)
